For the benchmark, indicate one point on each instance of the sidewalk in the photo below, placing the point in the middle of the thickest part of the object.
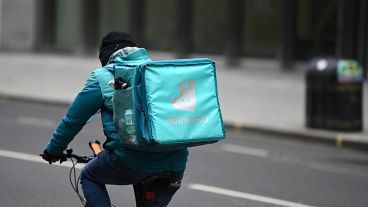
(254, 96)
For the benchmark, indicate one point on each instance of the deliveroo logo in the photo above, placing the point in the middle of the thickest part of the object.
(186, 100)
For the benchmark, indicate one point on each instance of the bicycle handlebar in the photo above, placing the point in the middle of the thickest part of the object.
(95, 147)
(79, 159)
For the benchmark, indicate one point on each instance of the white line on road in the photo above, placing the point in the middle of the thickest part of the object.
(199, 187)
(244, 150)
(34, 158)
(35, 121)
(247, 196)
(210, 189)
(336, 170)
(290, 160)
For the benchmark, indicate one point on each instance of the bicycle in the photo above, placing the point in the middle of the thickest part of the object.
(150, 185)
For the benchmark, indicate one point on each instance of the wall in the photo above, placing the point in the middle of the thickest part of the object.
(18, 24)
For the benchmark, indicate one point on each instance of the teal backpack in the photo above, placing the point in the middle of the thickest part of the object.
(167, 105)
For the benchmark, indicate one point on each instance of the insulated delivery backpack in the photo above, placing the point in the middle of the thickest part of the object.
(167, 105)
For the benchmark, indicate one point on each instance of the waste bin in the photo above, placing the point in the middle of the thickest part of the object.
(334, 94)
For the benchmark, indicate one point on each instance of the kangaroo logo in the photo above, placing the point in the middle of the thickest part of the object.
(186, 100)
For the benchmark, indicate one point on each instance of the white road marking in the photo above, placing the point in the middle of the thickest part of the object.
(247, 196)
(34, 158)
(318, 166)
(199, 187)
(35, 121)
(290, 160)
(210, 189)
(244, 150)
(336, 170)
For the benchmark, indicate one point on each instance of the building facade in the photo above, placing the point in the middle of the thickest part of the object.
(287, 30)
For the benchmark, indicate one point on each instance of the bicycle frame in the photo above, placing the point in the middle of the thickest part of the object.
(75, 159)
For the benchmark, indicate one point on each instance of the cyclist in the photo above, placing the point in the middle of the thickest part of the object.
(116, 165)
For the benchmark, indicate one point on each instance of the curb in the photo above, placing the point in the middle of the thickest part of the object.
(338, 139)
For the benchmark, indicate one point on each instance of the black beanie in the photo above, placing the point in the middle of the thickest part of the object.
(113, 41)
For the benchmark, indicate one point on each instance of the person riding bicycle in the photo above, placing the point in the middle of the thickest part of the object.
(116, 165)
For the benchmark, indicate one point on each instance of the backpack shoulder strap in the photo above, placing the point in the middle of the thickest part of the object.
(104, 76)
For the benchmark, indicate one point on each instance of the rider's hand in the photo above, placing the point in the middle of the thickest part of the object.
(50, 157)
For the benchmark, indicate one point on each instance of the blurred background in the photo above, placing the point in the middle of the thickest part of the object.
(284, 30)
(291, 80)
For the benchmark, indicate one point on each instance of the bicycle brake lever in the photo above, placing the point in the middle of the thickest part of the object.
(63, 159)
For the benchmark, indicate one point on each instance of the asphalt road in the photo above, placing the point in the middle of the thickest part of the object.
(246, 170)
